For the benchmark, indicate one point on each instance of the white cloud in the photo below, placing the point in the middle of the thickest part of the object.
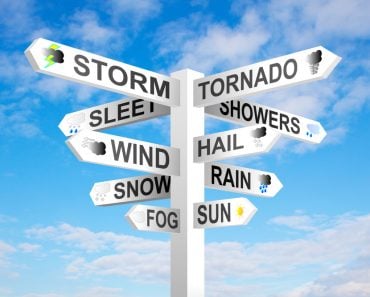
(149, 267)
(134, 12)
(42, 33)
(321, 249)
(16, 17)
(89, 241)
(349, 281)
(29, 247)
(101, 292)
(42, 295)
(140, 259)
(6, 266)
(331, 17)
(19, 21)
(5, 292)
(355, 97)
(16, 118)
(245, 262)
(335, 135)
(317, 20)
(90, 292)
(86, 28)
(5, 249)
(220, 289)
(56, 89)
(297, 222)
(213, 45)
(16, 66)
(329, 245)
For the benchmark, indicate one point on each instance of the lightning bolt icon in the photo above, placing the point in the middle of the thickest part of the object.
(50, 61)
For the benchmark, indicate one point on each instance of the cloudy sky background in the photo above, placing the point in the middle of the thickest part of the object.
(311, 240)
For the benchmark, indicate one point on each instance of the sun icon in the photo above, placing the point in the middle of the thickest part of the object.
(240, 211)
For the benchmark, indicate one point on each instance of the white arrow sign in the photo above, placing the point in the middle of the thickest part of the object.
(246, 113)
(304, 66)
(152, 218)
(241, 180)
(234, 143)
(222, 213)
(131, 189)
(66, 62)
(110, 150)
(112, 114)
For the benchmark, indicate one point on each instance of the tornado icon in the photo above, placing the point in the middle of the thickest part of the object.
(314, 60)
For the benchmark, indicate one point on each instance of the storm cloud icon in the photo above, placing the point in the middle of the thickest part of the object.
(259, 132)
(98, 148)
(53, 55)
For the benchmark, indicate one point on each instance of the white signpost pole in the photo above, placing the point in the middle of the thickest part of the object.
(187, 247)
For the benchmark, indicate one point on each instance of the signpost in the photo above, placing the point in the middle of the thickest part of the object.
(110, 150)
(132, 189)
(112, 114)
(179, 171)
(222, 213)
(152, 218)
(242, 180)
(300, 67)
(245, 112)
(73, 64)
(234, 143)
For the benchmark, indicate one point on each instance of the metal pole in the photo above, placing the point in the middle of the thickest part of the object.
(187, 247)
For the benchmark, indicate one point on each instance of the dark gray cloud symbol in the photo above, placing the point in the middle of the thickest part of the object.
(259, 132)
(98, 148)
(265, 179)
(58, 55)
(314, 57)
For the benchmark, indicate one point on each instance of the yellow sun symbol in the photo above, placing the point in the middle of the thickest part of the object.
(240, 211)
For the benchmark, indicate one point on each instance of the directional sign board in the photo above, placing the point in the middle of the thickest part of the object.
(234, 143)
(241, 180)
(245, 112)
(66, 62)
(152, 218)
(222, 213)
(132, 189)
(112, 114)
(304, 66)
(110, 150)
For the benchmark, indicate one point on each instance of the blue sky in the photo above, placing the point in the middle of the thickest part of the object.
(311, 240)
